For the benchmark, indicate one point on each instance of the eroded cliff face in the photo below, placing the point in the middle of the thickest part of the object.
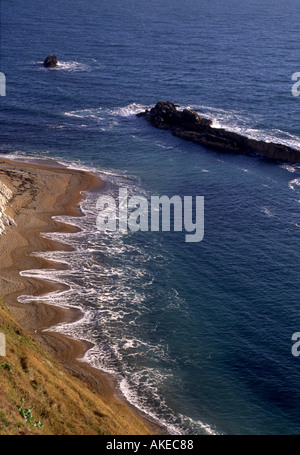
(191, 126)
(5, 196)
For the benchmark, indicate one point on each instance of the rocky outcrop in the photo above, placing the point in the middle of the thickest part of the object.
(191, 126)
(51, 61)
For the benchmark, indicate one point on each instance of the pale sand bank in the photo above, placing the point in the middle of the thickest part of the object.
(39, 192)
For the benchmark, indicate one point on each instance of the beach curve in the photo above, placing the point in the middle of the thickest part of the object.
(41, 192)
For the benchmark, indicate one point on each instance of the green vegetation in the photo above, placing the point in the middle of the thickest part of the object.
(38, 396)
(7, 366)
(28, 417)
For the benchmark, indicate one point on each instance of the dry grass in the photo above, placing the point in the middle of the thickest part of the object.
(61, 404)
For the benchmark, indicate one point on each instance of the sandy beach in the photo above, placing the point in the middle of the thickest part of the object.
(38, 192)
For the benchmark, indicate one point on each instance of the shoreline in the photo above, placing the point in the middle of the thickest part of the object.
(41, 191)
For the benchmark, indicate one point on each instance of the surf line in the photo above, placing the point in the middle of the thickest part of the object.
(135, 213)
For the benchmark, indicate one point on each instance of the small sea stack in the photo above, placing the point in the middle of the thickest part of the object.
(51, 61)
(189, 125)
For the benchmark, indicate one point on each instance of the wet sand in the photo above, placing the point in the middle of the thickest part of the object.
(41, 191)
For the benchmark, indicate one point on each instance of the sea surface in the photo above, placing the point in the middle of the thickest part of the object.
(198, 335)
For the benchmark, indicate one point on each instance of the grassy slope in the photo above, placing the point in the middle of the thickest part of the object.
(29, 376)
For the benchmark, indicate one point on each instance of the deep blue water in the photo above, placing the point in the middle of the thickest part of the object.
(197, 334)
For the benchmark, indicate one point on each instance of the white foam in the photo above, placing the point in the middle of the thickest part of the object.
(71, 66)
(176, 425)
(129, 110)
(267, 212)
(244, 123)
(94, 113)
(198, 423)
(131, 396)
(239, 122)
(108, 118)
(62, 65)
(294, 184)
(101, 290)
(292, 168)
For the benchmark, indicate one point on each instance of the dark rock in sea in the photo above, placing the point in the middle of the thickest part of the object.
(51, 61)
(191, 126)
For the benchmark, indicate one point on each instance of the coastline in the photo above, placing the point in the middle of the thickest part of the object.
(41, 191)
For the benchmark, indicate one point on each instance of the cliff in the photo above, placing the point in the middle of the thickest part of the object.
(39, 397)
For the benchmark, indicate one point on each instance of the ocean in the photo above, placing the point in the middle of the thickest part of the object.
(197, 335)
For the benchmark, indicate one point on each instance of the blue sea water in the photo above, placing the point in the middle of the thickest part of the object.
(198, 335)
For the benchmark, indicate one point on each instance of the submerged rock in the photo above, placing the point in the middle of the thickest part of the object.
(191, 126)
(51, 61)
